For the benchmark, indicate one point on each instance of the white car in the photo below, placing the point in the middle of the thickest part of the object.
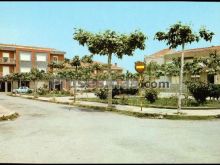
(22, 89)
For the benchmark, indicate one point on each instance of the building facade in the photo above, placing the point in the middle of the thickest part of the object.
(21, 59)
(166, 56)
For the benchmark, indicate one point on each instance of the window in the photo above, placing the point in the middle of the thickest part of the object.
(5, 54)
(41, 57)
(211, 78)
(55, 58)
(25, 69)
(25, 56)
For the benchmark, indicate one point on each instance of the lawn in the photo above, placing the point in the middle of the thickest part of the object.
(161, 102)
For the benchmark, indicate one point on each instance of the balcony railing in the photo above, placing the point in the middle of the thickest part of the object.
(7, 61)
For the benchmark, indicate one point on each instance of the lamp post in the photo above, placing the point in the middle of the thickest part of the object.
(140, 67)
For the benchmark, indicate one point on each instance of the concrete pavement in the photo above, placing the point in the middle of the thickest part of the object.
(162, 111)
(56, 133)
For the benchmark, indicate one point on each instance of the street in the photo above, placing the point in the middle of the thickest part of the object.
(55, 133)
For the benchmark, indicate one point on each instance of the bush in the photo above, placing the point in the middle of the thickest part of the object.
(29, 91)
(65, 92)
(199, 90)
(42, 91)
(214, 91)
(102, 93)
(151, 95)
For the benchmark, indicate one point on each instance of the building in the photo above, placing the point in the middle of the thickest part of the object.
(114, 67)
(20, 59)
(166, 56)
(158, 57)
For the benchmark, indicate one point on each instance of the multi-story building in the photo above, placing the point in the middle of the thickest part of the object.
(166, 56)
(18, 59)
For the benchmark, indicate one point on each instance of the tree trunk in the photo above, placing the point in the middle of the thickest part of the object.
(53, 84)
(109, 82)
(75, 85)
(181, 81)
(34, 88)
(11, 86)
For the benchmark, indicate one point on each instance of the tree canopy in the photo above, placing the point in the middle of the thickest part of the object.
(179, 34)
(110, 42)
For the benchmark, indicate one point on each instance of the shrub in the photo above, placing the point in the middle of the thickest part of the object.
(29, 91)
(214, 91)
(151, 95)
(102, 93)
(115, 91)
(124, 100)
(42, 91)
(65, 92)
(199, 90)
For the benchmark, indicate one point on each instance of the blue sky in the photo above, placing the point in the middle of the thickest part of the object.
(51, 24)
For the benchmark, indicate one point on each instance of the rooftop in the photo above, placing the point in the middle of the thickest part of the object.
(14, 46)
(196, 51)
(161, 53)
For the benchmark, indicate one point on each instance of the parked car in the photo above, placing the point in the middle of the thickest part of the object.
(22, 89)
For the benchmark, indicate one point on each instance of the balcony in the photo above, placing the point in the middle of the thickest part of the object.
(9, 61)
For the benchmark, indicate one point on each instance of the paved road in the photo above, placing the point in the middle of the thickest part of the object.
(51, 133)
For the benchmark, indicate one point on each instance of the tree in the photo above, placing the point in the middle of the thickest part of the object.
(181, 35)
(212, 63)
(196, 67)
(110, 43)
(97, 67)
(151, 70)
(54, 65)
(77, 62)
(36, 75)
(86, 74)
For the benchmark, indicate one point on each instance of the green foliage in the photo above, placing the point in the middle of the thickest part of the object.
(212, 63)
(151, 95)
(151, 70)
(179, 34)
(110, 42)
(87, 59)
(199, 90)
(75, 61)
(102, 93)
(57, 65)
(214, 91)
(29, 91)
(42, 91)
(195, 67)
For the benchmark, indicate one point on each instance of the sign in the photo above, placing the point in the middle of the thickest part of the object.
(139, 66)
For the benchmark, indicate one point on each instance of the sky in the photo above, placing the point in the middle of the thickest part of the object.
(51, 24)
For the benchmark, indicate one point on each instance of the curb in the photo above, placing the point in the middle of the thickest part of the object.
(135, 114)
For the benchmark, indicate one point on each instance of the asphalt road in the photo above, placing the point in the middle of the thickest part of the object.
(53, 133)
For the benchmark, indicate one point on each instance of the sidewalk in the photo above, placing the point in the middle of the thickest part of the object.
(159, 111)
(6, 114)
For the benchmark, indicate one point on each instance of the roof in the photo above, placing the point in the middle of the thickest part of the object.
(196, 51)
(113, 65)
(13, 47)
(161, 53)
(97, 62)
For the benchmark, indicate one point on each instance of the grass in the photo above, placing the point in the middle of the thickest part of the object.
(151, 116)
(161, 102)
(138, 114)
(10, 117)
